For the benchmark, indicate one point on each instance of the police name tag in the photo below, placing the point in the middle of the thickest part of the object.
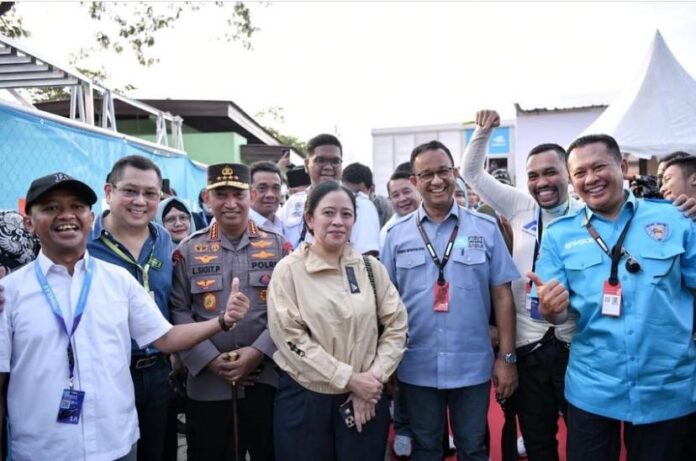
(611, 299)
(70, 406)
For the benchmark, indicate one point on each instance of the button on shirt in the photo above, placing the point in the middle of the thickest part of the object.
(640, 366)
(160, 278)
(34, 351)
(363, 238)
(448, 350)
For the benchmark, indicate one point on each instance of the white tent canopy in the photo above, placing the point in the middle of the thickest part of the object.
(655, 114)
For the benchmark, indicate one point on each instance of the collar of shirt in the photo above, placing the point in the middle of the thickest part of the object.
(99, 228)
(261, 220)
(46, 264)
(453, 211)
(630, 200)
(314, 263)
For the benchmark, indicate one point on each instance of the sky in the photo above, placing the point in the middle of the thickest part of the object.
(350, 67)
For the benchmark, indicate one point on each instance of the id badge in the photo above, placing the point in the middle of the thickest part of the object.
(532, 304)
(70, 406)
(441, 301)
(611, 299)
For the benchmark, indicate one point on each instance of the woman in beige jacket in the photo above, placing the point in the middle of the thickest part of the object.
(339, 338)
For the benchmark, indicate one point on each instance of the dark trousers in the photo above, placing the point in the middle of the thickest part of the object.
(541, 371)
(689, 451)
(598, 438)
(210, 426)
(151, 402)
(508, 437)
(308, 426)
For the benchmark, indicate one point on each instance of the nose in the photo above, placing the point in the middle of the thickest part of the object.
(663, 188)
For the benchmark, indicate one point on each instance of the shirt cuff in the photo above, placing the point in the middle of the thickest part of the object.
(342, 375)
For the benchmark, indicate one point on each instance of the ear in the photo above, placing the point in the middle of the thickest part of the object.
(309, 221)
(306, 164)
(624, 166)
(108, 190)
(455, 171)
(28, 225)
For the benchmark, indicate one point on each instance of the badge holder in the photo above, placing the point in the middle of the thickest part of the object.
(441, 301)
(532, 303)
(611, 299)
(70, 405)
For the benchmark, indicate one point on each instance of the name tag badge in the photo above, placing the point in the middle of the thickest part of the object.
(441, 301)
(611, 299)
(532, 304)
(352, 280)
(70, 406)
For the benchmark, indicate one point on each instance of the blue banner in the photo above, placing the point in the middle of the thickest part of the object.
(499, 142)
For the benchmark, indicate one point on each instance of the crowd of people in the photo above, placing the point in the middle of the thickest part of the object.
(299, 328)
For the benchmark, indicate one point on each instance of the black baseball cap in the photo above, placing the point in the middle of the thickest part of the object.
(45, 184)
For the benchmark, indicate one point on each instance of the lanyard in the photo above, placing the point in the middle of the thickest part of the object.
(617, 251)
(540, 232)
(431, 250)
(144, 269)
(79, 309)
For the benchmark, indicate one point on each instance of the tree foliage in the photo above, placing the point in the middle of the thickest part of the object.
(276, 115)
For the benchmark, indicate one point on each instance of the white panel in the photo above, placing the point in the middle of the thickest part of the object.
(382, 160)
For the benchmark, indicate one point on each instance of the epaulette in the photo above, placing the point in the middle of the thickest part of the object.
(401, 220)
(483, 216)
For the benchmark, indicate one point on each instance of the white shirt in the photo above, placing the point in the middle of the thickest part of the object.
(276, 224)
(363, 238)
(117, 309)
(522, 211)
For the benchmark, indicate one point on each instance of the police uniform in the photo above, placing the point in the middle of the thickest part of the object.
(204, 266)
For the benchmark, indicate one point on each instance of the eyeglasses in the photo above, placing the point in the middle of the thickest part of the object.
(321, 161)
(128, 192)
(427, 176)
(175, 219)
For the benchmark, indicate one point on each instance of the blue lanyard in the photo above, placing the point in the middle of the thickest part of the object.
(79, 309)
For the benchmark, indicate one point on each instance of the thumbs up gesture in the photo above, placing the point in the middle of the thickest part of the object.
(554, 298)
(237, 304)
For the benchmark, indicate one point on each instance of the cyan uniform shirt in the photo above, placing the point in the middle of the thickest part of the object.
(158, 244)
(640, 366)
(448, 350)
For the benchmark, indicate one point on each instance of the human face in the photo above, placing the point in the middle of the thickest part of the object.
(178, 224)
(547, 179)
(62, 221)
(134, 198)
(231, 209)
(433, 176)
(473, 198)
(404, 196)
(332, 221)
(266, 193)
(676, 183)
(324, 164)
(598, 178)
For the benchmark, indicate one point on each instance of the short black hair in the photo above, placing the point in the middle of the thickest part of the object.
(398, 174)
(136, 161)
(687, 165)
(432, 145)
(323, 139)
(357, 173)
(610, 143)
(319, 192)
(674, 156)
(560, 152)
(406, 167)
(264, 165)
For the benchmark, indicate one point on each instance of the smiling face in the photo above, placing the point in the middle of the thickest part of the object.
(266, 192)
(62, 221)
(324, 164)
(403, 195)
(597, 177)
(133, 199)
(178, 223)
(433, 176)
(231, 209)
(547, 179)
(332, 221)
(676, 181)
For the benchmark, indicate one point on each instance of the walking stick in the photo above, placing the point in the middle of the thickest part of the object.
(235, 418)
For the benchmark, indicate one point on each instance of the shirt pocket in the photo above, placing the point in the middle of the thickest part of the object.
(410, 270)
(258, 283)
(659, 262)
(206, 291)
(582, 271)
(470, 269)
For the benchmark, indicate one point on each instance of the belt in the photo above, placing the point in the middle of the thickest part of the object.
(145, 362)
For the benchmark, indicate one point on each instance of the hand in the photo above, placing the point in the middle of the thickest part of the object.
(178, 368)
(363, 411)
(487, 119)
(245, 367)
(365, 386)
(504, 379)
(237, 304)
(284, 161)
(553, 297)
(2, 289)
(686, 205)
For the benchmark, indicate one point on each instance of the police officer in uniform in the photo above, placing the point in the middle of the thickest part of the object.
(231, 381)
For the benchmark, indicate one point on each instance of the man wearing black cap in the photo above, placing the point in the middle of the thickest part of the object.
(231, 376)
(65, 335)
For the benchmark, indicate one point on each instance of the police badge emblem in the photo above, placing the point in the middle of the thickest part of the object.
(657, 231)
(209, 302)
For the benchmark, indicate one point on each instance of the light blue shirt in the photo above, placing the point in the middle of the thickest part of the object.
(640, 366)
(448, 350)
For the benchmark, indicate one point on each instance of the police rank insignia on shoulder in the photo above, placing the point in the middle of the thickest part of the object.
(657, 231)
(200, 247)
(209, 302)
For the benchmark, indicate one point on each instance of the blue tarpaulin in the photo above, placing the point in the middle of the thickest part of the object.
(33, 144)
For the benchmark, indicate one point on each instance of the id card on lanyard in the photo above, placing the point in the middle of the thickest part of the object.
(71, 401)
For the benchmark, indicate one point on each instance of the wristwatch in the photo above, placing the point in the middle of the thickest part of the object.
(510, 357)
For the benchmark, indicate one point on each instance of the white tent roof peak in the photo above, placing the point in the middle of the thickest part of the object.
(655, 113)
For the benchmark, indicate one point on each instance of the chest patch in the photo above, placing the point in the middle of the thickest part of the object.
(657, 231)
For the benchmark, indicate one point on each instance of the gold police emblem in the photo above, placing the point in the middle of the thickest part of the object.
(209, 302)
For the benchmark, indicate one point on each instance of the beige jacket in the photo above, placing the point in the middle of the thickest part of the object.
(323, 320)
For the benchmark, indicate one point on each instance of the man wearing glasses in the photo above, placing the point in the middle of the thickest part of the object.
(323, 163)
(451, 267)
(126, 235)
(266, 192)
